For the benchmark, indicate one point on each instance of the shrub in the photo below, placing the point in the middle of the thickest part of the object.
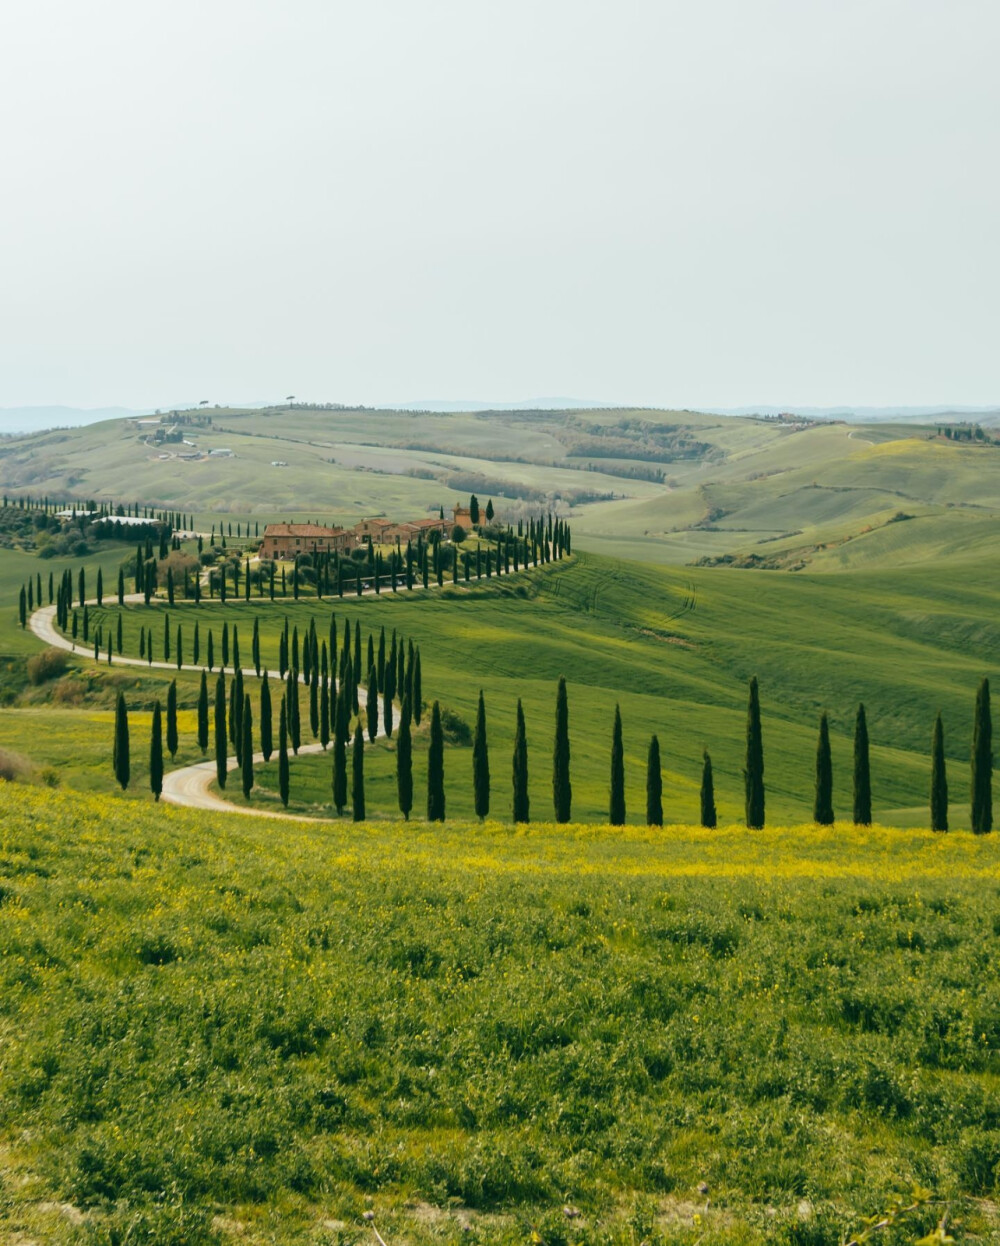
(14, 768)
(456, 729)
(49, 664)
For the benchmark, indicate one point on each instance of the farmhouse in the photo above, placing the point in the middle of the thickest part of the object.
(462, 517)
(286, 540)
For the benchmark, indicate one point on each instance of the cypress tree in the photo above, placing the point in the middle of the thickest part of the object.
(521, 803)
(358, 775)
(939, 779)
(324, 712)
(266, 722)
(314, 703)
(22, 607)
(283, 754)
(654, 785)
(121, 586)
(172, 719)
(708, 814)
(982, 763)
(371, 703)
(341, 719)
(753, 774)
(292, 697)
(120, 756)
(417, 689)
(823, 804)
(371, 651)
(481, 763)
(221, 738)
(562, 790)
(196, 647)
(380, 667)
(203, 713)
(180, 648)
(616, 803)
(166, 638)
(862, 771)
(255, 646)
(211, 650)
(100, 588)
(156, 754)
(120, 638)
(435, 766)
(247, 748)
(404, 765)
(237, 664)
(225, 644)
(356, 659)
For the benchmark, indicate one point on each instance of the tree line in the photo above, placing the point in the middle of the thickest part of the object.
(333, 705)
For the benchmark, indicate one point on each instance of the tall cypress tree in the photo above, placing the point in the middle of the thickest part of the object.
(121, 586)
(389, 689)
(982, 763)
(371, 703)
(481, 763)
(341, 720)
(521, 804)
(324, 711)
(100, 588)
(22, 607)
(404, 764)
(156, 754)
(246, 767)
(283, 754)
(939, 779)
(210, 651)
(255, 646)
(314, 702)
(292, 698)
(172, 719)
(435, 767)
(708, 814)
(616, 804)
(862, 771)
(654, 785)
(562, 790)
(823, 803)
(225, 643)
(120, 756)
(753, 773)
(417, 703)
(196, 648)
(203, 713)
(358, 775)
(380, 661)
(266, 719)
(221, 737)
(180, 648)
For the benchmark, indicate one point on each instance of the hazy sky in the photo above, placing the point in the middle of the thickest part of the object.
(678, 202)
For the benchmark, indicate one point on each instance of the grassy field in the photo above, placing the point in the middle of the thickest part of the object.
(223, 1030)
(809, 494)
(675, 648)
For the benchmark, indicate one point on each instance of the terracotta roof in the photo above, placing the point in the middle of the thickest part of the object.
(300, 529)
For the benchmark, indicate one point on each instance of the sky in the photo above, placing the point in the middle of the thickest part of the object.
(656, 202)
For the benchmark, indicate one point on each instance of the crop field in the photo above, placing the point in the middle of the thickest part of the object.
(224, 1030)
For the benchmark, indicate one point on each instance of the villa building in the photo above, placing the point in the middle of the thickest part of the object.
(283, 541)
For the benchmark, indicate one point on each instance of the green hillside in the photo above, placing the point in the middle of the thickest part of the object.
(223, 1029)
(666, 486)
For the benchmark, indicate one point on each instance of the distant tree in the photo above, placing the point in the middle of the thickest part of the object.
(404, 764)
(22, 607)
(481, 762)
(172, 719)
(654, 785)
(562, 790)
(823, 803)
(358, 775)
(156, 754)
(294, 721)
(283, 753)
(314, 702)
(939, 779)
(708, 814)
(120, 755)
(166, 638)
(341, 721)
(435, 767)
(170, 584)
(203, 713)
(616, 804)
(982, 763)
(371, 703)
(120, 636)
(255, 646)
(474, 510)
(862, 771)
(458, 534)
(753, 773)
(266, 720)
(179, 648)
(324, 710)
(121, 586)
(521, 803)
(489, 511)
(246, 766)
(225, 644)
(417, 689)
(210, 655)
(221, 737)
(100, 588)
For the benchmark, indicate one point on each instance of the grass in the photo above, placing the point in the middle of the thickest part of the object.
(212, 1023)
(675, 648)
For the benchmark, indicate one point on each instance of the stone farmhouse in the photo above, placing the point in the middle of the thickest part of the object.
(283, 541)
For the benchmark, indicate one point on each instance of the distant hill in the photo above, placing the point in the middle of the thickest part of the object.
(37, 419)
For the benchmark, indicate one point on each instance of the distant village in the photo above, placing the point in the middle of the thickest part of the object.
(284, 541)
